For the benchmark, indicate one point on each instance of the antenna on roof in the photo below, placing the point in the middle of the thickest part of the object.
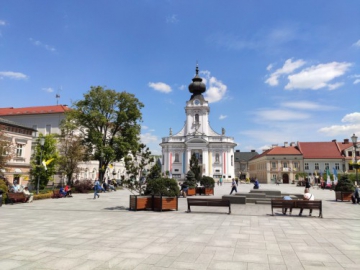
(58, 95)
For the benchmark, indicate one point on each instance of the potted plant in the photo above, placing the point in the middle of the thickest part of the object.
(164, 192)
(344, 189)
(209, 184)
(191, 183)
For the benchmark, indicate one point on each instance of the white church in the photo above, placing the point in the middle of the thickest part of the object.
(214, 151)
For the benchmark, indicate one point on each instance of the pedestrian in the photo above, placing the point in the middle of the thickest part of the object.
(233, 186)
(307, 183)
(221, 180)
(256, 184)
(286, 198)
(237, 181)
(97, 188)
(356, 196)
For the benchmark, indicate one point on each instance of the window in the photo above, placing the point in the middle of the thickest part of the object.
(176, 170)
(337, 166)
(296, 165)
(326, 166)
(306, 166)
(273, 165)
(176, 157)
(19, 150)
(317, 166)
(217, 158)
(35, 133)
(48, 129)
(349, 153)
(285, 164)
(274, 176)
(196, 118)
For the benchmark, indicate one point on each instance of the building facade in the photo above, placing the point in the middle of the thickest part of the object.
(242, 163)
(214, 151)
(17, 169)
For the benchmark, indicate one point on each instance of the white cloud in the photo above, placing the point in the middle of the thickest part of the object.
(316, 77)
(147, 138)
(182, 87)
(357, 81)
(352, 126)
(269, 67)
(2, 22)
(306, 105)
(287, 68)
(221, 117)
(335, 85)
(13, 75)
(160, 86)
(42, 45)
(351, 118)
(216, 89)
(144, 127)
(357, 43)
(280, 115)
(48, 89)
(172, 19)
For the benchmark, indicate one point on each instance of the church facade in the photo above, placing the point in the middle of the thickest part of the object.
(214, 151)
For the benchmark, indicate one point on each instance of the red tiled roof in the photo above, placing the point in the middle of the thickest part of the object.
(319, 149)
(342, 146)
(279, 150)
(34, 110)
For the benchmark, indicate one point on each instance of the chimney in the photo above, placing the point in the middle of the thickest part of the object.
(346, 141)
(237, 151)
(292, 144)
(274, 145)
(252, 151)
(334, 140)
(286, 144)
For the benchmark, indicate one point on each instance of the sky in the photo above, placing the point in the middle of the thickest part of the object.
(276, 71)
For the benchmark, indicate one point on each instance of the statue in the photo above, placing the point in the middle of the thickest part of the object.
(223, 131)
(170, 132)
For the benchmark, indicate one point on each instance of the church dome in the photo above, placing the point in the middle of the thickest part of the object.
(197, 87)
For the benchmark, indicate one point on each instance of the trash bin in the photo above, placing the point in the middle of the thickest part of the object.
(1, 197)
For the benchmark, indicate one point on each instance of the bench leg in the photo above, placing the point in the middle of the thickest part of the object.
(188, 208)
(229, 209)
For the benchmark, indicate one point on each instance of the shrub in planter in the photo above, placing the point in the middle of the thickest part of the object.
(83, 186)
(344, 189)
(4, 189)
(162, 187)
(207, 182)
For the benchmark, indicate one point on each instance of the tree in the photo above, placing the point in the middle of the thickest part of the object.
(71, 150)
(7, 148)
(194, 166)
(155, 172)
(135, 164)
(48, 154)
(109, 124)
(190, 179)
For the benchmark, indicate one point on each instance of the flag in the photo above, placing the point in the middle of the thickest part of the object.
(47, 162)
(335, 176)
(111, 166)
(328, 181)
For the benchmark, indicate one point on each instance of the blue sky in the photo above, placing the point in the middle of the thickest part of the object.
(276, 71)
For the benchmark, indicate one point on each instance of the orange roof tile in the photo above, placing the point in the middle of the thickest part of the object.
(34, 110)
(319, 149)
(279, 150)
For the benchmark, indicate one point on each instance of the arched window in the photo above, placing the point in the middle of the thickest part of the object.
(217, 159)
(196, 118)
(176, 157)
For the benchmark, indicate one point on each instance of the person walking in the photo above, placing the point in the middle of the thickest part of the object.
(233, 186)
(97, 188)
(221, 180)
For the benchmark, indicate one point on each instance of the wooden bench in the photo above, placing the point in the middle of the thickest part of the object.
(16, 197)
(300, 204)
(208, 202)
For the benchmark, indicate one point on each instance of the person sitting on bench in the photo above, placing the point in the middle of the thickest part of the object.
(307, 197)
(62, 192)
(68, 191)
(29, 196)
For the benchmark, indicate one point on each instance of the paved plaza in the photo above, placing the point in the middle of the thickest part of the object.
(83, 233)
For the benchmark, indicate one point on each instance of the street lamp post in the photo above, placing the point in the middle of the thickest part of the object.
(41, 142)
(354, 141)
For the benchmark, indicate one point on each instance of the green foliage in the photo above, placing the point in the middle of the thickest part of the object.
(194, 167)
(7, 148)
(44, 153)
(302, 175)
(162, 187)
(344, 184)
(207, 182)
(42, 196)
(109, 122)
(4, 189)
(71, 150)
(190, 179)
(155, 172)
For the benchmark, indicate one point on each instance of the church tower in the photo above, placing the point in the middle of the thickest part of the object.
(214, 151)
